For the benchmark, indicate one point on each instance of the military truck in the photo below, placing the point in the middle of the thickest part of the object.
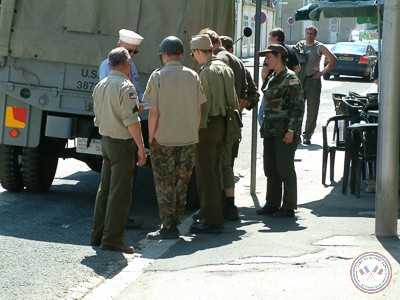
(49, 57)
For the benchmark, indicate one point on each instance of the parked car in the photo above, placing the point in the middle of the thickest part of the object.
(373, 43)
(354, 36)
(354, 59)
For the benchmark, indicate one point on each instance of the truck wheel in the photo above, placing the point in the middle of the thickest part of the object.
(10, 168)
(39, 165)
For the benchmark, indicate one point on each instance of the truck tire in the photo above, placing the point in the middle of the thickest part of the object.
(10, 168)
(39, 165)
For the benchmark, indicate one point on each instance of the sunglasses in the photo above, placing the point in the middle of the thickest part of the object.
(134, 51)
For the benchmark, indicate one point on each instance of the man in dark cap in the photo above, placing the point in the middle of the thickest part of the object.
(281, 126)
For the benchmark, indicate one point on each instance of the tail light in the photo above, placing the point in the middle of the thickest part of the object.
(363, 60)
(327, 59)
(14, 133)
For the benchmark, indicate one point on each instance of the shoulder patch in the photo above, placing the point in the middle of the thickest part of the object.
(293, 81)
(148, 88)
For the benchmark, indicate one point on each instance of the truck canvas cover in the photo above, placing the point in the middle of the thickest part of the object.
(82, 32)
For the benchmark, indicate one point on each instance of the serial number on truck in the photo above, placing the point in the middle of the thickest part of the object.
(85, 85)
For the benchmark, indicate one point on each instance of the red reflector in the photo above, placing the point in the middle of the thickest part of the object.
(363, 60)
(14, 133)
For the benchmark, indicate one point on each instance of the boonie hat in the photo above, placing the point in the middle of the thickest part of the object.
(130, 37)
(274, 48)
(201, 42)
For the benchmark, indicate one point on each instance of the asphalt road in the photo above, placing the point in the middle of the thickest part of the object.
(44, 252)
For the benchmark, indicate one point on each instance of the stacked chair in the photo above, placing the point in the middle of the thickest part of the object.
(350, 109)
(336, 127)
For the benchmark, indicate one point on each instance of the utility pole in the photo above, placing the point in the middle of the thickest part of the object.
(387, 175)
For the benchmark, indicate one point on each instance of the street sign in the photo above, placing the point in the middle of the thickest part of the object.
(290, 21)
(263, 17)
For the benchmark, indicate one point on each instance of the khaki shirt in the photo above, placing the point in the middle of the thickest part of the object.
(177, 92)
(218, 81)
(115, 101)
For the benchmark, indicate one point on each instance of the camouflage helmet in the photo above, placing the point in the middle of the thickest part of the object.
(171, 45)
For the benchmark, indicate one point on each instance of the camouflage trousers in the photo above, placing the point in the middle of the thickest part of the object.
(172, 168)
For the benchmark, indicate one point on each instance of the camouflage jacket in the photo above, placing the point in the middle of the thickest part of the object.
(284, 105)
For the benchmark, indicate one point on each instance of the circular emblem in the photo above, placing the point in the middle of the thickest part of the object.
(371, 272)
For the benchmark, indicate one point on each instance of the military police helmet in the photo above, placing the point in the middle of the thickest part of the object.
(171, 45)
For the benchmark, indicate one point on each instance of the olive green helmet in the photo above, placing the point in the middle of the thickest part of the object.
(171, 45)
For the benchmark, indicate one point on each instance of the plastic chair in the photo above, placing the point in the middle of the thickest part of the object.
(348, 105)
(373, 97)
(361, 153)
(366, 161)
(373, 104)
(356, 96)
(337, 98)
(368, 107)
(338, 128)
(353, 106)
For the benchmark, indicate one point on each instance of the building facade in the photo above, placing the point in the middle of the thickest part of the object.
(279, 13)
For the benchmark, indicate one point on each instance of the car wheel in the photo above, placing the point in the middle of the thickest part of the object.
(368, 77)
(327, 76)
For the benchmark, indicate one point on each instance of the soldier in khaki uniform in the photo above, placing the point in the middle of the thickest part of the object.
(115, 107)
(281, 126)
(230, 151)
(175, 94)
(218, 81)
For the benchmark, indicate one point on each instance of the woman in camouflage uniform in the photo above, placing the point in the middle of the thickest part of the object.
(281, 127)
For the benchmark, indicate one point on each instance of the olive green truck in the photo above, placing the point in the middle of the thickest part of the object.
(50, 52)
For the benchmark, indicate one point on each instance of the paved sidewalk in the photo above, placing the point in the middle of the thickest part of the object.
(308, 257)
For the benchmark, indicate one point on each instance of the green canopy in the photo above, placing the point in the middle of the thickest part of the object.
(338, 9)
(366, 20)
(345, 9)
(303, 13)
